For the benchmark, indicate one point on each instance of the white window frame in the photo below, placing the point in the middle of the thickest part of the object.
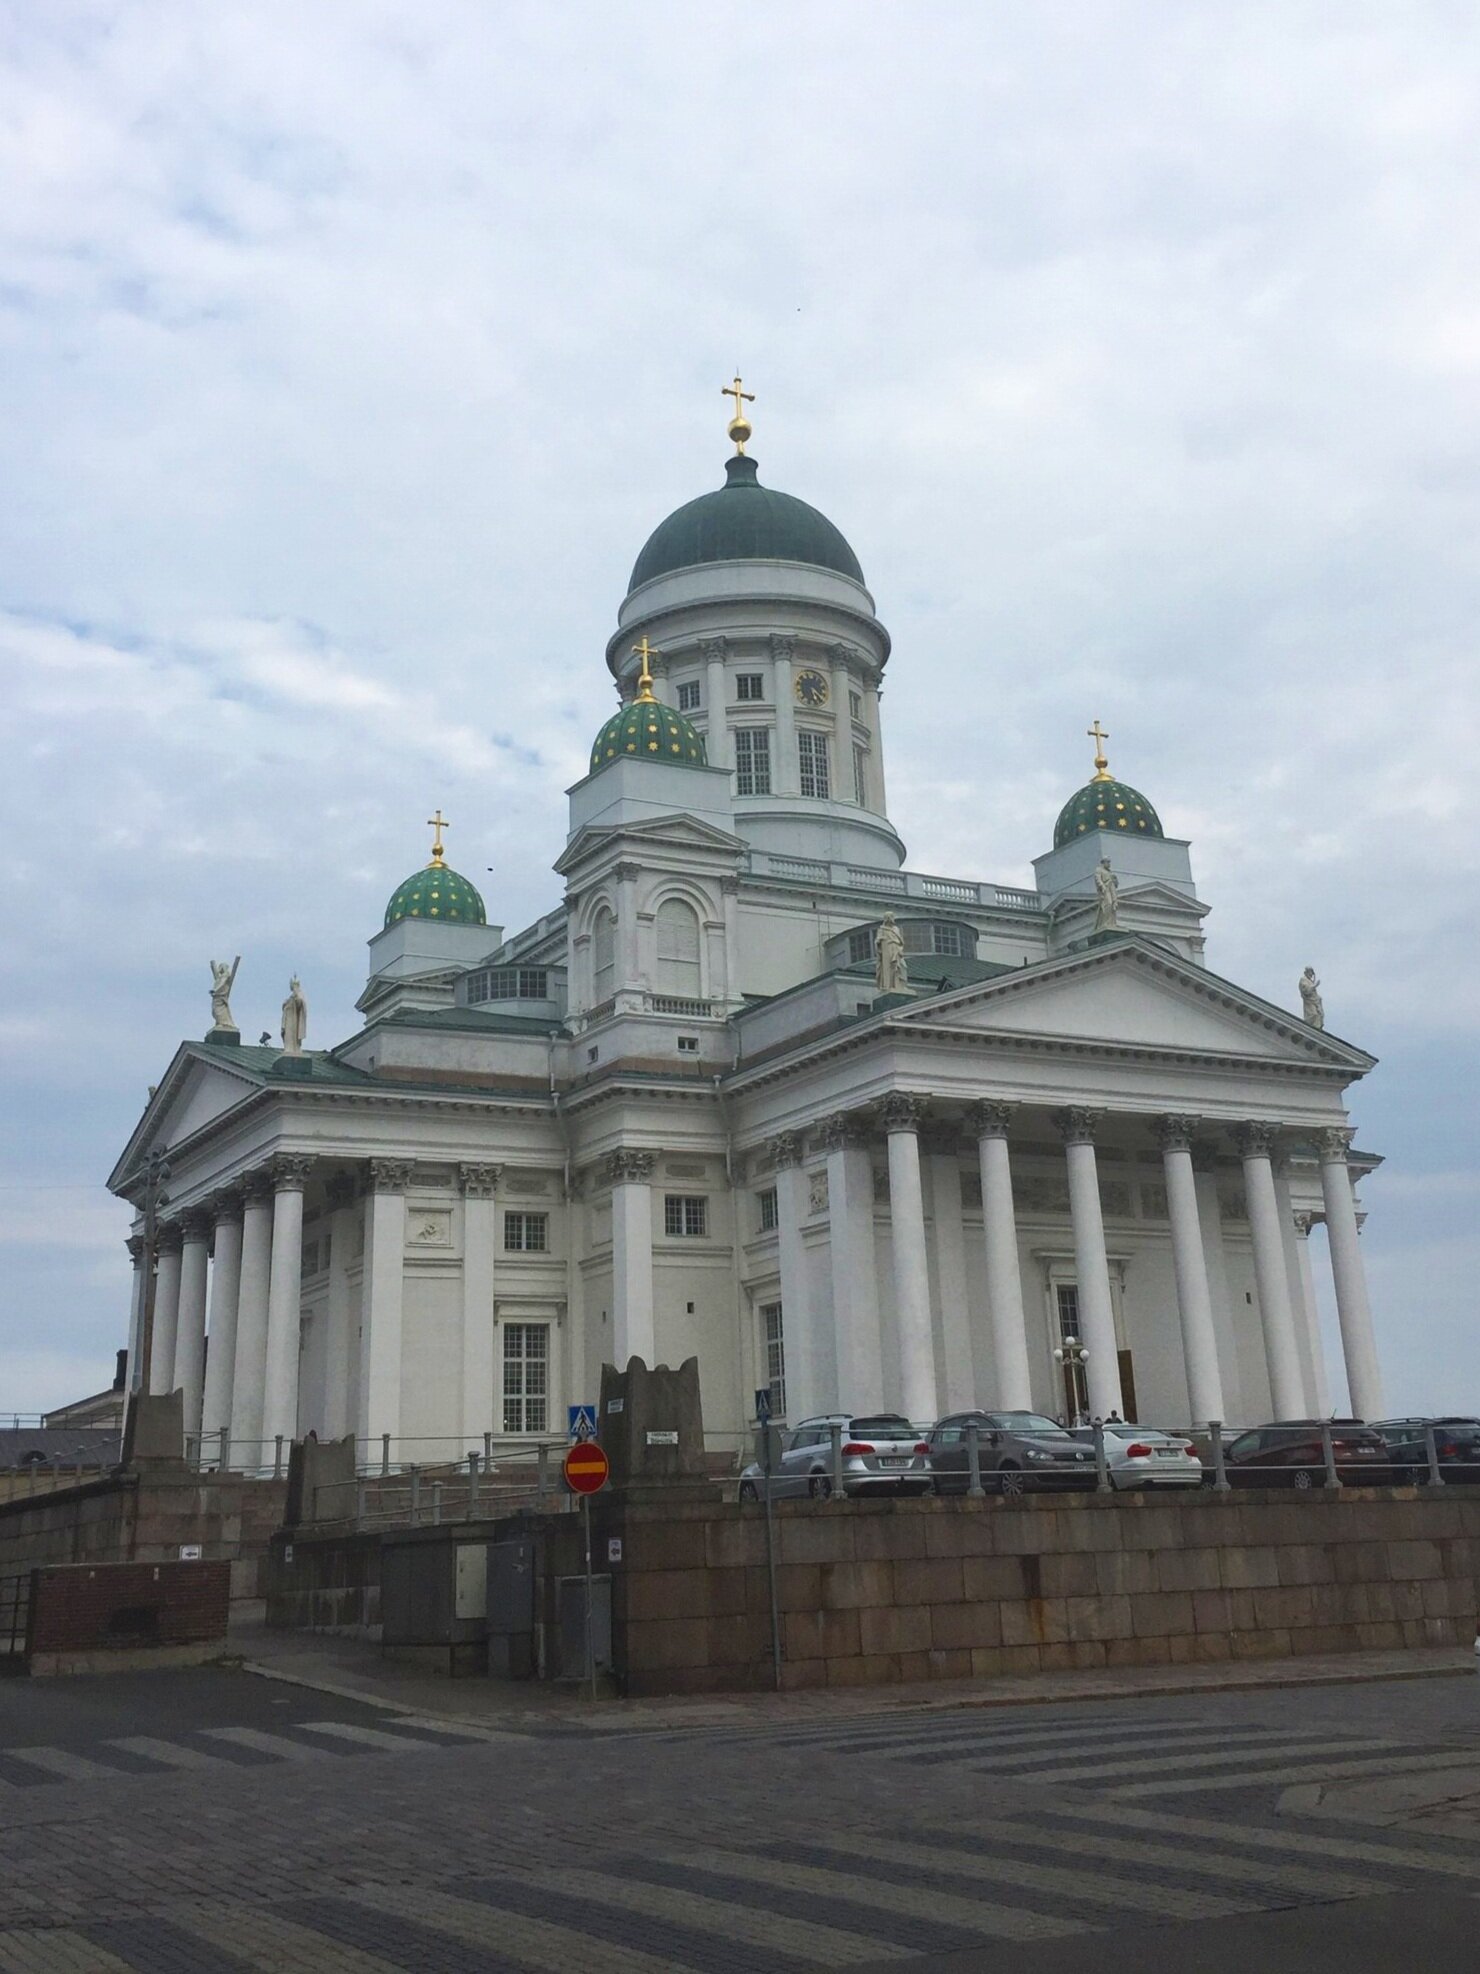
(686, 1216)
(525, 1411)
(688, 695)
(750, 688)
(773, 1353)
(770, 1209)
(860, 776)
(525, 1222)
(752, 760)
(814, 764)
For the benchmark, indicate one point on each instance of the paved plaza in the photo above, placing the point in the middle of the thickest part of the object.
(213, 1821)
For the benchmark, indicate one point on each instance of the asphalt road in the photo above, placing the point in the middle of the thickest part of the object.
(213, 1821)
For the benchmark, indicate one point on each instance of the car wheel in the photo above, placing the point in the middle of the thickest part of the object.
(1011, 1480)
(749, 1491)
(1303, 1479)
(820, 1487)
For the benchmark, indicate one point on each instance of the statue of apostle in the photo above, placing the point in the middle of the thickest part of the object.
(295, 1019)
(1107, 903)
(891, 970)
(1311, 1004)
(223, 978)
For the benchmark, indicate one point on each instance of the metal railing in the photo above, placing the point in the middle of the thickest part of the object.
(15, 1607)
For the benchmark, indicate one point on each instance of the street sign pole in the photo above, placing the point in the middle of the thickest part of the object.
(767, 1442)
(590, 1634)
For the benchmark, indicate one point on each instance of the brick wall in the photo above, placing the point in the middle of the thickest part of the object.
(82, 1609)
(874, 1592)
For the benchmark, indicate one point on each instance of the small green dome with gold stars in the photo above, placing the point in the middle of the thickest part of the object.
(644, 730)
(1105, 803)
(438, 892)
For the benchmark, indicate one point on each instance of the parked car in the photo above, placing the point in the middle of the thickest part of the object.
(1456, 1441)
(1289, 1454)
(1018, 1450)
(1144, 1456)
(882, 1454)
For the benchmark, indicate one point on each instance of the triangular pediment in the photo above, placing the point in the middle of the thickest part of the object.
(1132, 994)
(196, 1090)
(671, 833)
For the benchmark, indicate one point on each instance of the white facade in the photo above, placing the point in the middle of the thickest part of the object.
(675, 1116)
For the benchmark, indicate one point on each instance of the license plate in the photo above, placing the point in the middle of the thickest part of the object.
(889, 1461)
(1168, 1453)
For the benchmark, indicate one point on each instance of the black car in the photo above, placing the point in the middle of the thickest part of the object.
(1456, 1441)
(1019, 1450)
(1289, 1453)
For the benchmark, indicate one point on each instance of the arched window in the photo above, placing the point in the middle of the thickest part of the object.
(603, 956)
(678, 949)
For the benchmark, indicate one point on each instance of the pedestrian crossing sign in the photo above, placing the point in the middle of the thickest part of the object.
(582, 1421)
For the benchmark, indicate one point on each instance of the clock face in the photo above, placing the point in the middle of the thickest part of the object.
(811, 688)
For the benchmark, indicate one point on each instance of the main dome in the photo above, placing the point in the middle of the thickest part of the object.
(742, 522)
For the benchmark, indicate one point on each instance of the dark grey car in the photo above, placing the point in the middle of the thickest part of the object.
(1019, 1450)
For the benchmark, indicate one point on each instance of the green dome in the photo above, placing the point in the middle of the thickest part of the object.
(650, 732)
(744, 521)
(437, 892)
(1109, 805)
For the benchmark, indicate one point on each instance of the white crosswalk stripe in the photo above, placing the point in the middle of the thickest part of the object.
(365, 1737)
(63, 1763)
(1071, 1741)
(1327, 1771)
(269, 1744)
(1286, 1840)
(169, 1754)
(1173, 1761)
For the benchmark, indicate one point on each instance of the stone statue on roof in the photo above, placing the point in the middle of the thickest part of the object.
(295, 1019)
(1107, 898)
(1311, 1004)
(223, 978)
(891, 969)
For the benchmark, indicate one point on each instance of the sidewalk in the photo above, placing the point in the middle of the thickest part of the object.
(354, 1669)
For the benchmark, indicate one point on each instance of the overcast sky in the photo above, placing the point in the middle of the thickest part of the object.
(349, 352)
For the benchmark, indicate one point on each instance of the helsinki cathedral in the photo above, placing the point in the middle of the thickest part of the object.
(754, 1090)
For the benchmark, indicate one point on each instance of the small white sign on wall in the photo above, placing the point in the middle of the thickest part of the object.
(614, 1549)
(189, 1552)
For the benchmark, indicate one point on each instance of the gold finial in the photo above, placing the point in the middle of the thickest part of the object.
(644, 693)
(1102, 766)
(437, 823)
(739, 426)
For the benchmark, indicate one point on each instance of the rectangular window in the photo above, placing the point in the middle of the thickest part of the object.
(855, 705)
(686, 1215)
(752, 761)
(750, 685)
(526, 1377)
(860, 776)
(768, 1210)
(688, 1045)
(688, 695)
(775, 1358)
(508, 983)
(1068, 1302)
(860, 947)
(813, 763)
(527, 1233)
(955, 939)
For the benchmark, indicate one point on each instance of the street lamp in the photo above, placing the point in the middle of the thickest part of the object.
(1072, 1354)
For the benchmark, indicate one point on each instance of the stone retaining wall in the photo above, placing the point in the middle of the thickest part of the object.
(99, 1617)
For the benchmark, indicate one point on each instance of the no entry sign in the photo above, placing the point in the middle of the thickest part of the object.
(586, 1468)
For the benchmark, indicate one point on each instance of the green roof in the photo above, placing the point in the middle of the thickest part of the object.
(437, 892)
(1108, 805)
(649, 732)
(744, 522)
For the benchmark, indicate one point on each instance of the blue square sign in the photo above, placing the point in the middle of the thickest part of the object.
(581, 1421)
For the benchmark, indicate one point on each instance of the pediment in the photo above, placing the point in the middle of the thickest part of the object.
(194, 1093)
(1155, 895)
(677, 832)
(1134, 995)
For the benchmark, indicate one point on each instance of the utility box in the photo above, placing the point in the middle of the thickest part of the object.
(433, 1601)
(510, 1606)
(570, 1592)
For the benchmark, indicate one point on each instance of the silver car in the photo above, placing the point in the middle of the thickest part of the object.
(882, 1454)
(1141, 1456)
(1016, 1451)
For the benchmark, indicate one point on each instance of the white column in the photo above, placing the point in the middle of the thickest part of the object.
(811, 1361)
(1012, 1378)
(1092, 1270)
(250, 1374)
(190, 1332)
(480, 1233)
(340, 1344)
(1194, 1301)
(1353, 1310)
(135, 1245)
(634, 1332)
(876, 760)
(1309, 1317)
(280, 1388)
(730, 906)
(785, 775)
(1290, 1242)
(900, 1114)
(629, 970)
(382, 1305)
(578, 1391)
(942, 1147)
(717, 745)
(857, 1337)
(168, 1244)
(1256, 1142)
(226, 1278)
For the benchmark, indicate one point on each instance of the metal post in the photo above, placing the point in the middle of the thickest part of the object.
(192, 1451)
(277, 1457)
(385, 1453)
(542, 1476)
(436, 1504)
(473, 1502)
(836, 1433)
(488, 1453)
(1328, 1455)
(225, 1449)
(768, 1443)
(360, 1502)
(1220, 1469)
(1102, 1465)
(415, 1493)
(1431, 1444)
(590, 1621)
(974, 1458)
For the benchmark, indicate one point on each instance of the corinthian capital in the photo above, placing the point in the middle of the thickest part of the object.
(626, 1167)
(390, 1175)
(901, 1110)
(135, 1246)
(712, 649)
(1333, 1145)
(1077, 1123)
(479, 1181)
(990, 1120)
(195, 1224)
(1175, 1131)
(845, 1131)
(290, 1172)
(170, 1238)
(1256, 1138)
(783, 645)
(786, 1150)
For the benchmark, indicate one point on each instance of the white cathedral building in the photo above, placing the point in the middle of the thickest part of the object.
(678, 1116)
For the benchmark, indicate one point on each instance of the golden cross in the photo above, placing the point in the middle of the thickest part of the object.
(1099, 737)
(645, 676)
(739, 425)
(438, 823)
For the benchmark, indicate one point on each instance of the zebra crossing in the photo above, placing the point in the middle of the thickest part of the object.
(222, 1748)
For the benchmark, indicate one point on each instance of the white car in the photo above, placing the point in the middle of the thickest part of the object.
(1141, 1456)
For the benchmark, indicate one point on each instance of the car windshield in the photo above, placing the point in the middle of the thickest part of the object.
(884, 1425)
(1026, 1422)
